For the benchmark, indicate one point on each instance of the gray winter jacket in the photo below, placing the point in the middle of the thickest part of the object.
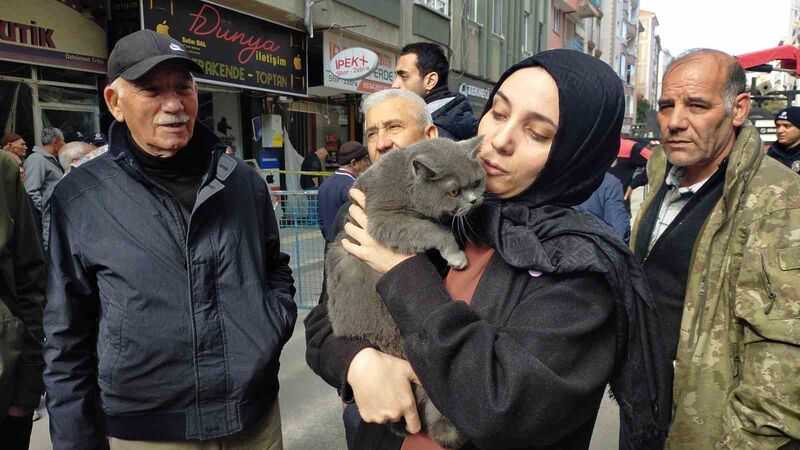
(42, 173)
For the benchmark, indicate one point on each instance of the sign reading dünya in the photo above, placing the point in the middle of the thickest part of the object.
(354, 63)
(234, 48)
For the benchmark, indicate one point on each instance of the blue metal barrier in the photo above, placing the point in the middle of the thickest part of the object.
(301, 238)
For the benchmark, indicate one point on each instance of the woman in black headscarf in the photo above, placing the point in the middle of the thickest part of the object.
(554, 306)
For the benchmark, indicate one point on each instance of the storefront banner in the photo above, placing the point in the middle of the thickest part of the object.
(55, 33)
(233, 48)
(349, 51)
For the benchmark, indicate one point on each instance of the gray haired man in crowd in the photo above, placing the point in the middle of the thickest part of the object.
(169, 301)
(72, 152)
(42, 172)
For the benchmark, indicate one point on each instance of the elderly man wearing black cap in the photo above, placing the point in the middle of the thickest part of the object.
(787, 148)
(169, 300)
(353, 159)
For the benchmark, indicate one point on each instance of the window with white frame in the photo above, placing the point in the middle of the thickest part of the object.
(556, 20)
(497, 19)
(440, 6)
(526, 33)
(472, 9)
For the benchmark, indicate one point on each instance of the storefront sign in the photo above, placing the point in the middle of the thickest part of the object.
(341, 48)
(476, 91)
(55, 33)
(354, 63)
(233, 48)
(469, 90)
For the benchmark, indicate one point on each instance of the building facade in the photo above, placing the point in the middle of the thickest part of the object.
(619, 31)
(647, 58)
(272, 79)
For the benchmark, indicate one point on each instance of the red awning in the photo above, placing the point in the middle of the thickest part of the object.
(788, 55)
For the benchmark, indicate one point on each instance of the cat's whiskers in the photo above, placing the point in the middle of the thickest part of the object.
(471, 230)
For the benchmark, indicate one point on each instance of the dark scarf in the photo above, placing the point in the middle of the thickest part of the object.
(538, 230)
(180, 174)
(438, 93)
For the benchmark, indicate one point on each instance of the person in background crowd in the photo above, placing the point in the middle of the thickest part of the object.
(629, 167)
(517, 349)
(787, 148)
(314, 162)
(160, 329)
(72, 152)
(98, 140)
(21, 300)
(16, 147)
(718, 239)
(353, 160)
(393, 119)
(43, 171)
(423, 69)
(607, 204)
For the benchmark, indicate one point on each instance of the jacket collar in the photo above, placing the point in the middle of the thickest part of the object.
(120, 153)
(43, 152)
(219, 169)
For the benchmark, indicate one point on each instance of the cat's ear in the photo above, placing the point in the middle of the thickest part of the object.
(422, 166)
(473, 146)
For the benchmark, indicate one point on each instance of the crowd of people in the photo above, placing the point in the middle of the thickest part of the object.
(154, 305)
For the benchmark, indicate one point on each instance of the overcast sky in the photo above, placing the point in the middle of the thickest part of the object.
(733, 26)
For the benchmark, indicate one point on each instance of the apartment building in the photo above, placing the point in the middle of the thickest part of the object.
(647, 58)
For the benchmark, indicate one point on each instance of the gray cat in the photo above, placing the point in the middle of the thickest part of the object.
(413, 196)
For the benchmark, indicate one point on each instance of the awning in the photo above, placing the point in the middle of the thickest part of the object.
(787, 55)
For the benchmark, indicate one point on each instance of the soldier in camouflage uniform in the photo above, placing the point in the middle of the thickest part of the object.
(737, 352)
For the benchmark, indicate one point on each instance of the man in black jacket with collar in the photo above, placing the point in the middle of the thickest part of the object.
(169, 298)
(423, 68)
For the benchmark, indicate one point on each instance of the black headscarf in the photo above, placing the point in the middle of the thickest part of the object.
(538, 230)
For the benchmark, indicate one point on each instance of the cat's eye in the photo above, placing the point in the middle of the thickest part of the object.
(453, 193)
(476, 184)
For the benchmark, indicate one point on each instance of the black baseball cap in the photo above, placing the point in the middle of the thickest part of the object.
(137, 53)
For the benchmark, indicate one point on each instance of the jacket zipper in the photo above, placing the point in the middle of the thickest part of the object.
(768, 283)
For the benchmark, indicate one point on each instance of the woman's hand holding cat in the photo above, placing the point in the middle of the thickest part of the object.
(381, 258)
(381, 386)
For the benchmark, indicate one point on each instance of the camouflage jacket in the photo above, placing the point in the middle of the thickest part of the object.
(737, 370)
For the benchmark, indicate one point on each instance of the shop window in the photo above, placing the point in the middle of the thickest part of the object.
(12, 69)
(67, 96)
(66, 76)
(219, 111)
(76, 125)
(16, 110)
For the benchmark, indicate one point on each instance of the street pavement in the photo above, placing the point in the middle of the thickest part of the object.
(312, 412)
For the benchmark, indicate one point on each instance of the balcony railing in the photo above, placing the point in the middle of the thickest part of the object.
(575, 43)
(590, 8)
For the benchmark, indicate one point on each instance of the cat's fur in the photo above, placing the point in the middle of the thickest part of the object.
(412, 198)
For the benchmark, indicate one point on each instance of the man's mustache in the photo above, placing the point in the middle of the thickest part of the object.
(170, 119)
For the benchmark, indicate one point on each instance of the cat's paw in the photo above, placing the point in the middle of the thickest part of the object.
(456, 260)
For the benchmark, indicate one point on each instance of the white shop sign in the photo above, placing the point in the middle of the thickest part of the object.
(378, 78)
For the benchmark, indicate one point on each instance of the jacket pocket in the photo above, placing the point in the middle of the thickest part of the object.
(780, 273)
(110, 343)
(768, 293)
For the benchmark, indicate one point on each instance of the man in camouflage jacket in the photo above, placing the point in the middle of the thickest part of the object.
(737, 352)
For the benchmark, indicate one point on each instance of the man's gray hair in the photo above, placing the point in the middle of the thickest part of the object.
(51, 134)
(735, 77)
(72, 151)
(418, 109)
